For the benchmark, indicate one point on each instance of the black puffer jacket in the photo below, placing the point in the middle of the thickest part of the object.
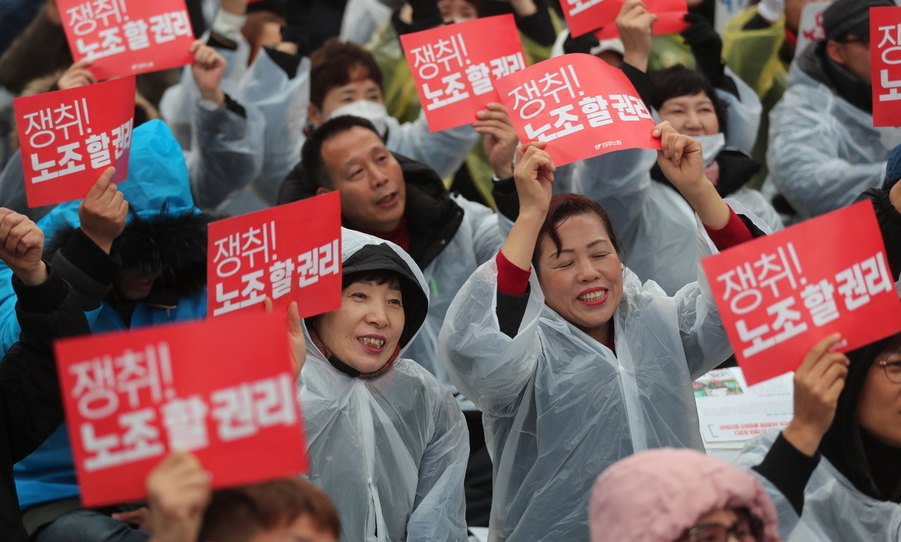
(30, 403)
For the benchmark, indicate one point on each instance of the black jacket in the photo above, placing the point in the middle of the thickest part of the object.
(30, 402)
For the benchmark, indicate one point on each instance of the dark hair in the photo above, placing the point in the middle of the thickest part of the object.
(237, 514)
(677, 81)
(333, 64)
(378, 276)
(560, 209)
(842, 444)
(311, 154)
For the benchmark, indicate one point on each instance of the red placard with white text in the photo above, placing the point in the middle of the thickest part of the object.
(287, 253)
(69, 137)
(127, 37)
(584, 16)
(780, 294)
(580, 105)
(885, 58)
(221, 389)
(454, 67)
(670, 19)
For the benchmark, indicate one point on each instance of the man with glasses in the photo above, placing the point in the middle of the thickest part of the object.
(823, 148)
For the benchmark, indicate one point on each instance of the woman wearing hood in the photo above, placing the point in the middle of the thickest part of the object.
(671, 495)
(385, 440)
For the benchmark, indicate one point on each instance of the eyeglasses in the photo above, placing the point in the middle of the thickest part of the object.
(744, 530)
(892, 369)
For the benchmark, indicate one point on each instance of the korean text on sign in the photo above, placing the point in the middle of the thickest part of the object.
(127, 36)
(780, 294)
(202, 387)
(454, 67)
(68, 138)
(885, 58)
(578, 104)
(287, 253)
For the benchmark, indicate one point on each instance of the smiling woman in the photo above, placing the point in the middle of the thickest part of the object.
(365, 332)
(579, 364)
(385, 440)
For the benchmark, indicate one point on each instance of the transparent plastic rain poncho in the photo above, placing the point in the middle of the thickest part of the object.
(834, 510)
(275, 113)
(390, 451)
(823, 151)
(480, 236)
(559, 407)
(362, 18)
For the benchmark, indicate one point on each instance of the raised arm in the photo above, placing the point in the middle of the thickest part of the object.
(621, 180)
(682, 161)
(490, 361)
(29, 391)
(227, 142)
(792, 458)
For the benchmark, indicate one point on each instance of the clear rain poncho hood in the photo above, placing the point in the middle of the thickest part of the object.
(390, 451)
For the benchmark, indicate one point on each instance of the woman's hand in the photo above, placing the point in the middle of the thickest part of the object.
(818, 383)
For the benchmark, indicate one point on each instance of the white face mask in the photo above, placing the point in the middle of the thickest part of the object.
(712, 145)
(367, 109)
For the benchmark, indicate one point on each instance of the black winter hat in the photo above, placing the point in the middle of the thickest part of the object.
(850, 17)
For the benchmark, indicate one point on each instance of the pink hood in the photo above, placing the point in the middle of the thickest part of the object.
(655, 496)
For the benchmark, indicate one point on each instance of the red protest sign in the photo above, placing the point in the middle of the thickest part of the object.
(454, 67)
(670, 19)
(885, 58)
(584, 16)
(221, 389)
(287, 253)
(69, 137)
(127, 37)
(580, 105)
(780, 294)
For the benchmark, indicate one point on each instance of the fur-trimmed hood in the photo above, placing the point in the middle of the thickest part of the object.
(165, 231)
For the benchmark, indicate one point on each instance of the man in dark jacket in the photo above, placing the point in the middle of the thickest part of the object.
(30, 403)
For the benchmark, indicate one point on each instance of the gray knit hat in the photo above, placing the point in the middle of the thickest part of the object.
(845, 17)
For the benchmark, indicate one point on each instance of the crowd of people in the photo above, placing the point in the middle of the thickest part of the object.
(516, 341)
